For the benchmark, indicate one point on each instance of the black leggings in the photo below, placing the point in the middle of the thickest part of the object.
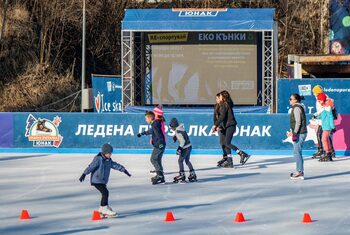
(228, 135)
(104, 191)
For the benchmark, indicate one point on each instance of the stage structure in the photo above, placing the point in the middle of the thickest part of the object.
(185, 56)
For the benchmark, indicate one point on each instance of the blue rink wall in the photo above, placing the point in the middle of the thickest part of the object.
(85, 133)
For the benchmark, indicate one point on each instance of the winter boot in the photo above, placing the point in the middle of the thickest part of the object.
(192, 177)
(244, 157)
(180, 178)
(224, 158)
(318, 153)
(158, 179)
(326, 158)
(228, 163)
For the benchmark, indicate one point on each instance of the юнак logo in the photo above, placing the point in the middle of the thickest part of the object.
(43, 132)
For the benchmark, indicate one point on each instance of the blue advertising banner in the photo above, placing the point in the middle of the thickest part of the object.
(107, 91)
(337, 89)
(88, 130)
(6, 130)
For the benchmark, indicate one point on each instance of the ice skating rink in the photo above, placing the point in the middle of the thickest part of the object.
(47, 186)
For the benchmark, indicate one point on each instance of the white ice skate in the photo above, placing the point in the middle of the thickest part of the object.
(107, 211)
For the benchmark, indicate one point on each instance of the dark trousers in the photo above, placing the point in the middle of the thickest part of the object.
(185, 156)
(225, 150)
(156, 158)
(104, 191)
(228, 132)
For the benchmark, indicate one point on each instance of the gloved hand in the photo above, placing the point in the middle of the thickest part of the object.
(127, 173)
(174, 138)
(333, 131)
(82, 177)
(139, 135)
(179, 151)
(295, 137)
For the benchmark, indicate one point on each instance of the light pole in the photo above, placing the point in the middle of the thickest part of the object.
(83, 60)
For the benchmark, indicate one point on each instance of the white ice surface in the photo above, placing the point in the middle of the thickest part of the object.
(48, 187)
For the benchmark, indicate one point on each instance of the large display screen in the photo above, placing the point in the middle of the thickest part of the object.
(194, 74)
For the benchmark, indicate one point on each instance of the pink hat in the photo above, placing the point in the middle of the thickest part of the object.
(158, 110)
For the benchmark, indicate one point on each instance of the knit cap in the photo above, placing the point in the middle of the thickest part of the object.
(317, 89)
(174, 123)
(107, 148)
(158, 110)
(322, 97)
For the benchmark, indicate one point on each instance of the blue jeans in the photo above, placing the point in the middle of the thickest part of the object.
(297, 152)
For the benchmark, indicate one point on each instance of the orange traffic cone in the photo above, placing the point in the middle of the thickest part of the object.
(24, 215)
(307, 218)
(239, 217)
(96, 215)
(169, 217)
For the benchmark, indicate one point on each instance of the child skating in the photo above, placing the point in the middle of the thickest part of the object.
(100, 168)
(158, 142)
(184, 152)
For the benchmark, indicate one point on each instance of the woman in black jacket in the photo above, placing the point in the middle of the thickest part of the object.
(227, 123)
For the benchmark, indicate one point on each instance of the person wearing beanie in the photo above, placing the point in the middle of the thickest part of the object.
(100, 168)
(327, 119)
(158, 142)
(184, 151)
(317, 90)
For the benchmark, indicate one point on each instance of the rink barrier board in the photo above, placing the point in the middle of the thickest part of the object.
(91, 130)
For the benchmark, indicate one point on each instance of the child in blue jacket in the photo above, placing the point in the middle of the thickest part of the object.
(100, 168)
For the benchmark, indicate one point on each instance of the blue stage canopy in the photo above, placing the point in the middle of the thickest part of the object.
(246, 19)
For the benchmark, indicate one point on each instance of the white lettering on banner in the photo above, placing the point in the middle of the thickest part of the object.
(255, 131)
(143, 128)
(100, 131)
(216, 133)
(109, 130)
(116, 129)
(81, 127)
(90, 130)
(247, 130)
(310, 109)
(202, 130)
(266, 131)
(195, 130)
(129, 130)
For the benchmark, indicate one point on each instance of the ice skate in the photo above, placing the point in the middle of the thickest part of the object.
(180, 178)
(158, 179)
(106, 211)
(317, 154)
(228, 163)
(192, 177)
(297, 176)
(244, 157)
(224, 158)
(326, 158)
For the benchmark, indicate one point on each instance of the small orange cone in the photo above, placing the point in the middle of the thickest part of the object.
(239, 218)
(307, 218)
(169, 217)
(24, 215)
(96, 215)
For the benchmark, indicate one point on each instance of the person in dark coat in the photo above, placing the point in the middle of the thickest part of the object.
(227, 121)
(100, 168)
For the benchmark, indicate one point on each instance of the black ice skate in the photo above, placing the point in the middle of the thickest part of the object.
(192, 177)
(180, 178)
(228, 163)
(158, 179)
(318, 154)
(326, 158)
(244, 157)
(297, 176)
(224, 158)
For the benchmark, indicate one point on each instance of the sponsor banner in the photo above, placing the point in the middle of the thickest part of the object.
(199, 12)
(89, 130)
(201, 38)
(6, 130)
(107, 91)
(337, 89)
